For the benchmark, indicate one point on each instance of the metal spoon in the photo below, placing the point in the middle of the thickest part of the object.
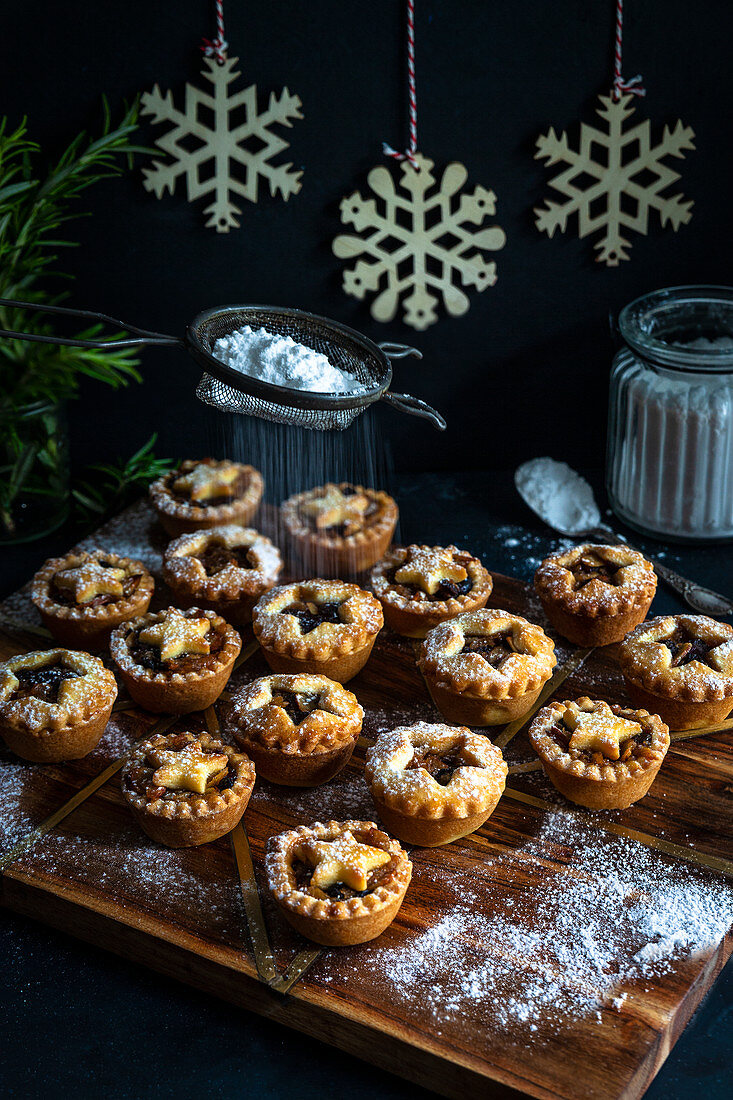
(564, 481)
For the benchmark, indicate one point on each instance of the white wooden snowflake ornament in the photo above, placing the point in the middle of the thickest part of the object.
(221, 144)
(417, 240)
(614, 179)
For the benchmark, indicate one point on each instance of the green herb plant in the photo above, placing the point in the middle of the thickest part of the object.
(36, 377)
(113, 486)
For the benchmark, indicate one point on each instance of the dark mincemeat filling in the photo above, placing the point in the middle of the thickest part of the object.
(350, 527)
(234, 491)
(590, 568)
(447, 590)
(148, 656)
(628, 748)
(310, 615)
(42, 683)
(66, 599)
(494, 650)
(440, 767)
(139, 778)
(217, 557)
(297, 707)
(338, 892)
(685, 647)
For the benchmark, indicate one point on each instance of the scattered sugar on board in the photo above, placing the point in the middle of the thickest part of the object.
(280, 361)
(521, 957)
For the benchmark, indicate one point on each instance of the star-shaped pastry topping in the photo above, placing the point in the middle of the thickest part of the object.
(335, 508)
(175, 635)
(204, 482)
(600, 730)
(187, 769)
(345, 860)
(91, 579)
(427, 569)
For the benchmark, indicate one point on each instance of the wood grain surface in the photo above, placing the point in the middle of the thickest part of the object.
(99, 878)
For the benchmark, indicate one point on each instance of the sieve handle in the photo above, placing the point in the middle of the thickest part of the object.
(399, 351)
(406, 403)
(144, 336)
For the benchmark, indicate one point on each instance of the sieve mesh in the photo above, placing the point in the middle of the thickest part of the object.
(344, 348)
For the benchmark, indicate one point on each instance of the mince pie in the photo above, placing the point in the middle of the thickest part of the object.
(337, 529)
(594, 595)
(175, 661)
(54, 704)
(337, 883)
(84, 596)
(600, 756)
(681, 668)
(324, 627)
(421, 586)
(186, 789)
(486, 667)
(432, 783)
(205, 493)
(224, 569)
(299, 730)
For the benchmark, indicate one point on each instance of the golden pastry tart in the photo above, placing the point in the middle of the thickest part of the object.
(680, 667)
(337, 529)
(324, 627)
(225, 569)
(175, 661)
(594, 595)
(186, 789)
(337, 883)
(433, 783)
(300, 730)
(83, 596)
(486, 667)
(421, 586)
(205, 493)
(54, 704)
(600, 756)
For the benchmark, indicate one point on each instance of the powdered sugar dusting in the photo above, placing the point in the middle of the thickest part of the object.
(521, 955)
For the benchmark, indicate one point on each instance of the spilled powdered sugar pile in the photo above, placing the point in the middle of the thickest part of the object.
(615, 913)
(281, 361)
(562, 498)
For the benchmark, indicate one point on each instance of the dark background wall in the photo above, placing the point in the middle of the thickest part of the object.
(525, 371)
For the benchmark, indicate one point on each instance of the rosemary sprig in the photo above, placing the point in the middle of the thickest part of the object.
(112, 486)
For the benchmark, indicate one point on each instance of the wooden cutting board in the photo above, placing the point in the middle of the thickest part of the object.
(512, 967)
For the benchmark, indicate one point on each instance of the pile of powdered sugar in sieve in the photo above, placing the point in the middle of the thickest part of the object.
(281, 361)
(560, 496)
(534, 953)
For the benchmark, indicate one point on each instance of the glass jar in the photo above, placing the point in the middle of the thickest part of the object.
(34, 471)
(669, 465)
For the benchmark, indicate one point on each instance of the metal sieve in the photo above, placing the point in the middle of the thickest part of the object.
(229, 390)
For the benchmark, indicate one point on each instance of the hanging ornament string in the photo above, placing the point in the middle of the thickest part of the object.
(410, 152)
(217, 47)
(622, 87)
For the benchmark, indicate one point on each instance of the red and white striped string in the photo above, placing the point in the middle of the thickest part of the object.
(217, 47)
(622, 87)
(409, 153)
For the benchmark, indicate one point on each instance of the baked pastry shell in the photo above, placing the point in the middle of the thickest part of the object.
(52, 746)
(342, 923)
(679, 714)
(414, 618)
(190, 831)
(177, 693)
(593, 791)
(297, 770)
(180, 517)
(77, 627)
(335, 555)
(579, 617)
(463, 709)
(342, 667)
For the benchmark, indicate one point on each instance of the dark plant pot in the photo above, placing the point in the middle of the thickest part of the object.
(34, 471)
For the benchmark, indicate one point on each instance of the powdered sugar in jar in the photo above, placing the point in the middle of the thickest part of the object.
(670, 434)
